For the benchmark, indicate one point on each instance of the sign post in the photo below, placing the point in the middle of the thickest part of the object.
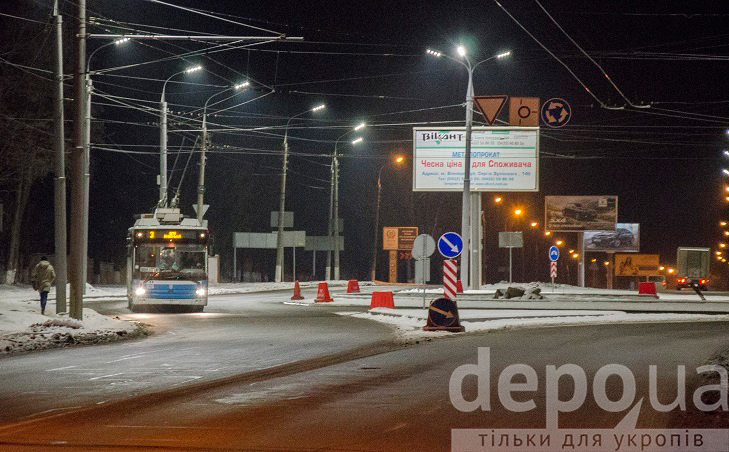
(553, 256)
(423, 248)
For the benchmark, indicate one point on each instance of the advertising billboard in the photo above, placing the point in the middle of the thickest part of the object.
(503, 159)
(625, 238)
(580, 213)
(637, 264)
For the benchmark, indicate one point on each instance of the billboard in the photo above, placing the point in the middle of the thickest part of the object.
(580, 213)
(503, 159)
(636, 264)
(625, 238)
(399, 238)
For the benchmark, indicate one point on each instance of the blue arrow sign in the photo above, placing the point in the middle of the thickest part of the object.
(554, 253)
(450, 245)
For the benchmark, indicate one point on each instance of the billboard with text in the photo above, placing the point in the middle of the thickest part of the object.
(580, 213)
(503, 159)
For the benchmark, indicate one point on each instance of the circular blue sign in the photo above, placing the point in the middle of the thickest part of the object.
(450, 245)
(554, 253)
(556, 112)
(443, 312)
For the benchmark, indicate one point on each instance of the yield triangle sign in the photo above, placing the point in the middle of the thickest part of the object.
(490, 106)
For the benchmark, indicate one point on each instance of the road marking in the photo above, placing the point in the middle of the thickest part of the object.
(105, 376)
(397, 427)
(60, 368)
(125, 358)
(49, 411)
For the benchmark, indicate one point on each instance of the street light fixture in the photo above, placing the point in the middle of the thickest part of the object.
(163, 136)
(534, 224)
(282, 195)
(498, 199)
(559, 243)
(333, 228)
(469, 273)
(397, 160)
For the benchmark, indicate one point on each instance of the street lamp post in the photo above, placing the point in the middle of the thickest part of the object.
(334, 202)
(398, 160)
(469, 274)
(204, 148)
(282, 199)
(163, 137)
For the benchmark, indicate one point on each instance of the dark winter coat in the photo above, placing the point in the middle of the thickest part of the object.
(43, 276)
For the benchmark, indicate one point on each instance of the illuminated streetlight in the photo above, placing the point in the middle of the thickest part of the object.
(575, 255)
(726, 233)
(534, 224)
(559, 243)
(722, 245)
(661, 268)
(360, 126)
(670, 270)
(718, 253)
(725, 171)
(461, 51)
(606, 263)
(517, 212)
(547, 233)
(503, 55)
(723, 223)
(397, 160)
(278, 276)
(498, 199)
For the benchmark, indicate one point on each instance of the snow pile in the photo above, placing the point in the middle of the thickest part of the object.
(23, 328)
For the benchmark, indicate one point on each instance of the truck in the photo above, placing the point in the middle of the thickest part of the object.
(692, 267)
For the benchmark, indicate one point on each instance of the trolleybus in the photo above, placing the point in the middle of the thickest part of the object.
(167, 262)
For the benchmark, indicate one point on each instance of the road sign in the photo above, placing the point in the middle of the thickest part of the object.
(423, 246)
(553, 269)
(553, 253)
(490, 106)
(442, 312)
(511, 240)
(398, 238)
(194, 207)
(556, 112)
(450, 245)
(524, 111)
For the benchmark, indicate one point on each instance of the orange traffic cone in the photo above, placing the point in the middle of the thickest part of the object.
(353, 286)
(382, 300)
(297, 291)
(459, 286)
(322, 295)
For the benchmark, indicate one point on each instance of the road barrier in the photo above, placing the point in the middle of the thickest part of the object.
(322, 295)
(353, 286)
(297, 291)
(382, 300)
(647, 288)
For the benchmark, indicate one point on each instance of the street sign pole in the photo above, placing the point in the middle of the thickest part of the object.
(510, 262)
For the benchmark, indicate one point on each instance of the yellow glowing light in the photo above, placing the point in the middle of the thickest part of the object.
(571, 251)
(172, 235)
(151, 234)
(559, 243)
(498, 199)
(593, 260)
(547, 232)
(517, 211)
(661, 268)
(575, 255)
(670, 270)
(723, 223)
(722, 245)
(606, 263)
(534, 224)
(399, 159)
(718, 253)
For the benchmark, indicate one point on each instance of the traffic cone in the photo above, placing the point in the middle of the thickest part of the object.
(382, 300)
(353, 286)
(297, 291)
(322, 295)
(459, 286)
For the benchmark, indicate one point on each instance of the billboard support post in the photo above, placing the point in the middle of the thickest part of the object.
(581, 260)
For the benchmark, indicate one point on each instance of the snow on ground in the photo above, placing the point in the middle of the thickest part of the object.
(23, 328)
(409, 322)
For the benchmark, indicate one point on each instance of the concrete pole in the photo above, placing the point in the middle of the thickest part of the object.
(476, 242)
(78, 228)
(581, 260)
(328, 272)
(373, 272)
(87, 177)
(60, 167)
(281, 210)
(336, 216)
(163, 152)
(466, 201)
(201, 181)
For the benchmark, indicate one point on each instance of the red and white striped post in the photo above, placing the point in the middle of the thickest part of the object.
(450, 278)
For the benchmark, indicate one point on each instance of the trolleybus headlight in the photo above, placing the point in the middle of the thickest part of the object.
(200, 292)
(140, 291)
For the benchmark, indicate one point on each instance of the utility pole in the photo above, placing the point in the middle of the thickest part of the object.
(60, 164)
(201, 181)
(78, 155)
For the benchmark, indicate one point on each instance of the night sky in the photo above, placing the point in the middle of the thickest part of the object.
(367, 62)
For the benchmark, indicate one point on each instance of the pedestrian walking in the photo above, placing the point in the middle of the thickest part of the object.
(42, 277)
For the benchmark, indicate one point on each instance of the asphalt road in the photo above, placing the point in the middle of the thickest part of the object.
(299, 378)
